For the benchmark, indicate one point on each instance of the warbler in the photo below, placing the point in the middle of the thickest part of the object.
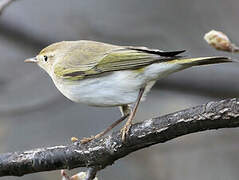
(101, 74)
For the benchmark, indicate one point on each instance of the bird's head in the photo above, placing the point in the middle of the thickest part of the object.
(50, 55)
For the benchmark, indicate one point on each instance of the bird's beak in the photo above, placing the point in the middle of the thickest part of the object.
(31, 60)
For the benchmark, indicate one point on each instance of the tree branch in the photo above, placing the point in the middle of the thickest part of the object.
(104, 152)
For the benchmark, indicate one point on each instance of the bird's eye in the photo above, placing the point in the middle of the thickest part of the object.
(45, 58)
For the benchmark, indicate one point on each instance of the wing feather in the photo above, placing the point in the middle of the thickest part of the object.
(97, 60)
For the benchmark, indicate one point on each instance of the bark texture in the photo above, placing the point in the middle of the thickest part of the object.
(104, 152)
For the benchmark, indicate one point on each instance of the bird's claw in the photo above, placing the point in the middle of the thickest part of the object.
(125, 131)
(86, 140)
(74, 139)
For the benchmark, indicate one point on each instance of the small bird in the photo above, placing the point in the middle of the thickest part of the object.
(106, 75)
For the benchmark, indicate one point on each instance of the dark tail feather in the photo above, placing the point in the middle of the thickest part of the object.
(202, 61)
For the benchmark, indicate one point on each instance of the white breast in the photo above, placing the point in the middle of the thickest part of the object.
(114, 89)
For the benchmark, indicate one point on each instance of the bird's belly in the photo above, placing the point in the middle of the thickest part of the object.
(116, 88)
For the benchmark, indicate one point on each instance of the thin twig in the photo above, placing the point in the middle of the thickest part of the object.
(4, 4)
(91, 173)
(104, 152)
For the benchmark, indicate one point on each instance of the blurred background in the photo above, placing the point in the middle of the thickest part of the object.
(34, 114)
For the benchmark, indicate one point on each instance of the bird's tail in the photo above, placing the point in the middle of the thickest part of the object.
(201, 60)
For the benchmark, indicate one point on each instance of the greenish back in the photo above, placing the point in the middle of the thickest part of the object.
(87, 58)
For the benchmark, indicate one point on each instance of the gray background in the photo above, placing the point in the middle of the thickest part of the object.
(34, 114)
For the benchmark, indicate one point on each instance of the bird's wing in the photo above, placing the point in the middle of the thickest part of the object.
(95, 61)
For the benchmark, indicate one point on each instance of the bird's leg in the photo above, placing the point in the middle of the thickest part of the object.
(125, 115)
(128, 123)
(125, 109)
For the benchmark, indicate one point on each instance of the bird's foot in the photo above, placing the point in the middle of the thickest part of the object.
(74, 139)
(84, 140)
(87, 139)
(125, 131)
